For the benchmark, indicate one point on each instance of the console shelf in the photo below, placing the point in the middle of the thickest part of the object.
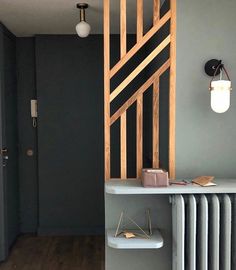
(155, 242)
(134, 187)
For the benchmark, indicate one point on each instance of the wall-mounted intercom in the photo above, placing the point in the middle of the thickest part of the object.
(34, 111)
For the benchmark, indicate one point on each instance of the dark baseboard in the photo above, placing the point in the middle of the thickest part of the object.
(71, 231)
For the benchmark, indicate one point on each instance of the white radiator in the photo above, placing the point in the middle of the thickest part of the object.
(204, 232)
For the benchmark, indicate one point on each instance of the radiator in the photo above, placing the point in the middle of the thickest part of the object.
(204, 232)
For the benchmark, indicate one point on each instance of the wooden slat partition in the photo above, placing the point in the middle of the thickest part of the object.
(140, 44)
(172, 94)
(139, 68)
(153, 80)
(155, 124)
(107, 144)
(139, 136)
(140, 91)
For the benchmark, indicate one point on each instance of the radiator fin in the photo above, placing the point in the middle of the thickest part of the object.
(204, 233)
(178, 233)
(191, 235)
(226, 232)
(214, 234)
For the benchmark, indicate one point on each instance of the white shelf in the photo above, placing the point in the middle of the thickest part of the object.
(156, 241)
(134, 187)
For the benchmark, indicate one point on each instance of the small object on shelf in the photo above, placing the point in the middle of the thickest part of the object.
(187, 181)
(182, 183)
(131, 233)
(155, 178)
(204, 181)
(155, 242)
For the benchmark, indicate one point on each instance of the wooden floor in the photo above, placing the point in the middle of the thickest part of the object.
(56, 253)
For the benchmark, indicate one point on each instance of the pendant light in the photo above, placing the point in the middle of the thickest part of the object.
(220, 89)
(82, 28)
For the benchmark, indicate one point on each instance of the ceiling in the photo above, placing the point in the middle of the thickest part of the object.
(30, 17)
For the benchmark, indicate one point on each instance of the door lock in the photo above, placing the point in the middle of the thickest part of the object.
(3, 151)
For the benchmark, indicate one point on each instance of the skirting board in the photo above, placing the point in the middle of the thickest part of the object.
(71, 231)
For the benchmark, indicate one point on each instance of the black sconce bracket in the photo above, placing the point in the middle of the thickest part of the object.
(82, 5)
(212, 65)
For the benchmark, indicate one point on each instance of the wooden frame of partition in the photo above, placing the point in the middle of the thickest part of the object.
(137, 97)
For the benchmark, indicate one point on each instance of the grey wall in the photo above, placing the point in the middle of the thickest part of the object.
(205, 140)
(68, 100)
(70, 134)
(63, 63)
(27, 135)
(78, 212)
(70, 131)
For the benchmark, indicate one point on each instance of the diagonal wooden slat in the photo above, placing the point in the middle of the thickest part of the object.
(107, 146)
(172, 89)
(155, 124)
(140, 91)
(139, 68)
(142, 42)
(139, 31)
(156, 11)
(139, 136)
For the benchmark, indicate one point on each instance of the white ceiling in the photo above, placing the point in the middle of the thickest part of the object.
(30, 17)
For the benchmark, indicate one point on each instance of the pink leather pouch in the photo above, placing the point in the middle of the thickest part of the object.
(155, 178)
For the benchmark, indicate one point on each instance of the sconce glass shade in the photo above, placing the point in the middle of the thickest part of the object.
(220, 95)
(83, 29)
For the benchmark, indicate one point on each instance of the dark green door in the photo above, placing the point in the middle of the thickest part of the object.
(9, 218)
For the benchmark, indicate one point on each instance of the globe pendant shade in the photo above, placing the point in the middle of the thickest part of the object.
(83, 29)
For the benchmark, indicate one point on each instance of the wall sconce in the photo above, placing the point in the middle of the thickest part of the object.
(82, 28)
(220, 89)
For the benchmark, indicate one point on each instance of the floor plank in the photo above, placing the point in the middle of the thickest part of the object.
(56, 253)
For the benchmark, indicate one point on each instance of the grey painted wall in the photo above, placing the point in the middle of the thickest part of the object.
(205, 140)
(27, 135)
(70, 134)
(69, 48)
(76, 77)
